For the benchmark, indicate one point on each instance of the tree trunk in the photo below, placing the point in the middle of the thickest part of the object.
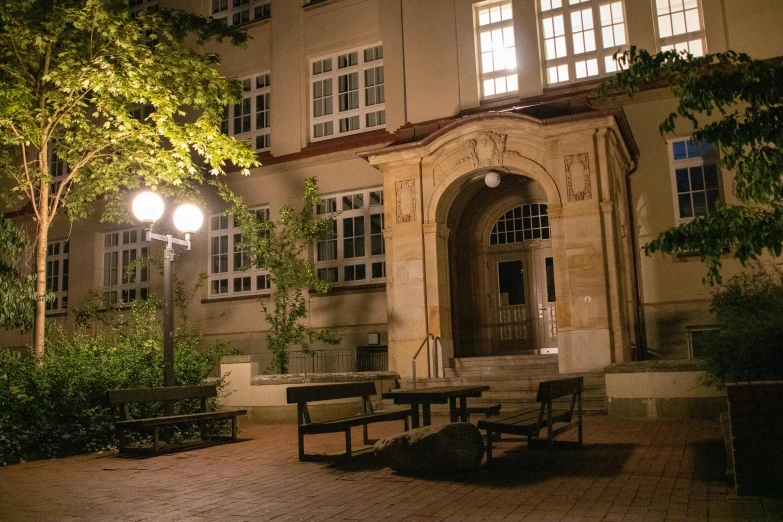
(42, 237)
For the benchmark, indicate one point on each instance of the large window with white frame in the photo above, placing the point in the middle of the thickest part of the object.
(696, 184)
(355, 253)
(347, 93)
(580, 38)
(57, 275)
(680, 26)
(236, 12)
(250, 119)
(229, 271)
(497, 51)
(125, 266)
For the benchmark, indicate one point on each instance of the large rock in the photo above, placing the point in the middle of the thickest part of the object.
(433, 450)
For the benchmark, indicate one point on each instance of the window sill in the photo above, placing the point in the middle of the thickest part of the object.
(235, 298)
(318, 3)
(352, 289)
(253, 23)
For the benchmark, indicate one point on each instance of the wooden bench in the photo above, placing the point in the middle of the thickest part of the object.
(302, 395)
(125, 397)
(529, 422)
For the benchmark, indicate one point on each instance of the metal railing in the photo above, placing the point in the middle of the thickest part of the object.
(431, 361)
(324, 361)
(372, 359)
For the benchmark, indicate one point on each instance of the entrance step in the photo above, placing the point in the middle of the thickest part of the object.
(513, 382)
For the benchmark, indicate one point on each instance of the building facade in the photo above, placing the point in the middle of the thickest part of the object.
(408, 112)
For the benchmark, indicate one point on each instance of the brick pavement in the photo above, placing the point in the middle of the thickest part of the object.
(628, 470)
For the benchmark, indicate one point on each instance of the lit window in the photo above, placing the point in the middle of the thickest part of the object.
(521, 223)
(355, 252)
(230, 272)
(57, 275)
(695, 175)
(347, 93)
(498, 56)
(236, 12)
(680, 26)
(580, 38)
(125, 267)
(58, 168)
(250, 119)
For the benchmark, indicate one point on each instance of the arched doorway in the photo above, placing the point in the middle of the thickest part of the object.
(502, 272)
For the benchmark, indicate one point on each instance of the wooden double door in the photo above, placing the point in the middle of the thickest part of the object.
(521, 315)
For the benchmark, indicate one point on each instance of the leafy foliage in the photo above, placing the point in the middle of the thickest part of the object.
(71, 74)
(736, 103)
(62, 409)
(749, 343)
(17, 292)
(280, 247)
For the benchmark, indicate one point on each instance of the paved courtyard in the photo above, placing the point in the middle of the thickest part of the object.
(638, 470)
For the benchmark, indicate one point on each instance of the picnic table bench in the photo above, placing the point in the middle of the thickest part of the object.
(124, 397)
(530, 421)
(302, 395)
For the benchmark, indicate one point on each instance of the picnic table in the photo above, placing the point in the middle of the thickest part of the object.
(425, 397)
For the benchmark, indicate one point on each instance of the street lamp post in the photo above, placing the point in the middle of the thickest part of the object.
(148, 208)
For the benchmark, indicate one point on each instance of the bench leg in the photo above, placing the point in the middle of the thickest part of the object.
(489, 446)
(365, 434)
(348, 443)
(405, 423)
(202, 430)
(301, 446)
(155, 439)
(234, 428)
(121, 440)
(452, 409)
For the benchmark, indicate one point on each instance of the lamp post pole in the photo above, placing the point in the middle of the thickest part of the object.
(168, 317)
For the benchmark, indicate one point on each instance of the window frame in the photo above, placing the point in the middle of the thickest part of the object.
(688, 163)
(340, 214)
(57, 251)
(232, 273)
(668, 43)
(495, 74)
(228, 13)
(601, 54)
(363, 109)
(140, 284)
(254, 86)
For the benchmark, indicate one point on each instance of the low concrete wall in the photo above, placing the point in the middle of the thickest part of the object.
(264, 396)
(667, 389)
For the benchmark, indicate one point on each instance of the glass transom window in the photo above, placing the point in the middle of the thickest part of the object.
(522, 223)
(497, 51)
(355, 253)
(580, 38)
(696, 178)
(347, 93)
(680, 26)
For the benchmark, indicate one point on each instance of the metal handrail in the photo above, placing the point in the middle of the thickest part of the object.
(436, 342)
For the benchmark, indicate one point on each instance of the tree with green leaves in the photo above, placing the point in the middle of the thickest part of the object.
(281, 247)
(17, 292)
(736, 103)
(96, 101)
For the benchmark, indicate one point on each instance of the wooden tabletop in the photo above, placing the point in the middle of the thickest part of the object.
(434, 393)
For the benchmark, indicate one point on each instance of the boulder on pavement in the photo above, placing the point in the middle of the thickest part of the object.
(433, 450)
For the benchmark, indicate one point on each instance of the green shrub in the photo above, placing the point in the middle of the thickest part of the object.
(749, 343)
(62, 409)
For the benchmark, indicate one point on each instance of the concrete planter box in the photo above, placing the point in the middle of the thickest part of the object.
(264, 396)
(756, 436)
(662, 390)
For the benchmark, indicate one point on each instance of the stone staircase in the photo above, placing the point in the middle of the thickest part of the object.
(513, 382)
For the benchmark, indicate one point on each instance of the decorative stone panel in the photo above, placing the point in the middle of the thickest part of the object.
(577, 170)
(406, 200)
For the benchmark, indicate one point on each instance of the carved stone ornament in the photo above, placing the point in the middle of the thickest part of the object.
(406, 200)
(577, 171)
(486, 149)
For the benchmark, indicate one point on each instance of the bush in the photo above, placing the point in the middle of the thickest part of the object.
(62, 408)
(749, 343)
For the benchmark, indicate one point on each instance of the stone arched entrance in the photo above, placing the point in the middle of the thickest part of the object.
(579, 168)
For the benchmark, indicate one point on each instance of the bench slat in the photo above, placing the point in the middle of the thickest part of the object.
(178, 419)
(548, 390)
(522, 422)
(172, 393)
(325, 392)
(337, 425)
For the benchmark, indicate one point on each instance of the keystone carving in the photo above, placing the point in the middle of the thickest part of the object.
(486, 149)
